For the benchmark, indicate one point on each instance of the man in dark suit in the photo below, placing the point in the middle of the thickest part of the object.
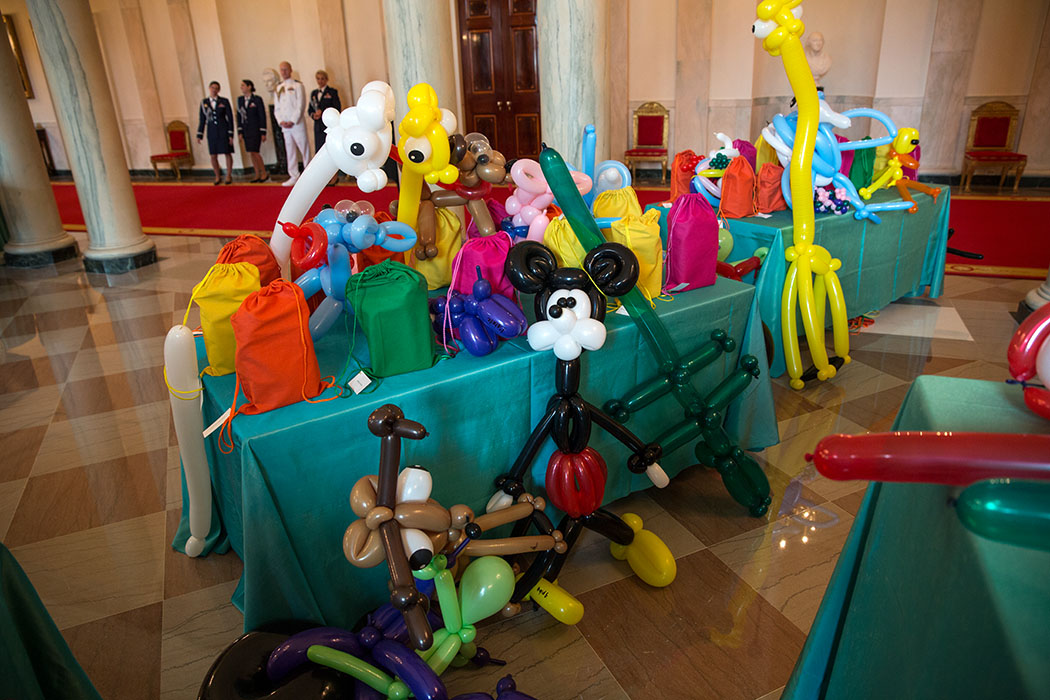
(322, 98)
(216, 116)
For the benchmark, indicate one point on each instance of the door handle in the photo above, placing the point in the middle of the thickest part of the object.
(499, 105)
(508, 105)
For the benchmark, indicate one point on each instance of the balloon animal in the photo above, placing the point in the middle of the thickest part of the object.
(742, 477)
(714, 166)
(570, 308)
(399, 522)
(423, 146)
(480, 168)
(323, 248)
(528, 203)
(481, 319)
(358, 142)
(900, 155)
(779, 27)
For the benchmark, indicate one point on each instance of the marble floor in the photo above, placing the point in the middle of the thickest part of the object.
(89, 500)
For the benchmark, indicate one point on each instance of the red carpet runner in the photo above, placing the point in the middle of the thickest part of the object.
(221, 210)
(1010, 233)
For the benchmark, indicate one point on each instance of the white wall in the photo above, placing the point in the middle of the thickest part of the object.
(651, 51)
(1007, 42)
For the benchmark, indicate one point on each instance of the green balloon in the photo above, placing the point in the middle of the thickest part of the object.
(351, 666)
(725, 244)
(1009, 511)
(486, 586)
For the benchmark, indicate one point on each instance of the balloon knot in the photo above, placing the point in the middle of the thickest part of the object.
(809, 457)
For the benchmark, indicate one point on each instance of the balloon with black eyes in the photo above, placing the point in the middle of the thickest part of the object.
(570, 308)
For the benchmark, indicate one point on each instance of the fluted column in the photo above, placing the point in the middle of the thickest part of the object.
(145, 81)
(72, 58)
(618, 62)
(419, 49)
(692, 82)
(26, 200)
(574, 89)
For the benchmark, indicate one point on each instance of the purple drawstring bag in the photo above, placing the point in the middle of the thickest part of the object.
(748, 150)
(692, 244)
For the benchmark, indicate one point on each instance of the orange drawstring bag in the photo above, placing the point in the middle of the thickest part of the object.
(738, 190)
(275, 359)
(252, 249)
(682, 170)
(770, 196)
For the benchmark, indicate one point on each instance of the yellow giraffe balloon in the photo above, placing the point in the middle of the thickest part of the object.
(780, 28)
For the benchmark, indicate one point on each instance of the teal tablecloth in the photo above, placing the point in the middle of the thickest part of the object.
(282, 496)
(918, 607)
(35, 661)
(902, 256)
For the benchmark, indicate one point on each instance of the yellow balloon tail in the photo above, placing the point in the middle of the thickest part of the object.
(562, 605)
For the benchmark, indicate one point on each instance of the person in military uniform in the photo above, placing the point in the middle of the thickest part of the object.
(321, 99)
(288, 102)
(216, 115)
(251, 125)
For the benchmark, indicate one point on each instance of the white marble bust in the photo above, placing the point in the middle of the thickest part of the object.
(270, 80)
(819, 59)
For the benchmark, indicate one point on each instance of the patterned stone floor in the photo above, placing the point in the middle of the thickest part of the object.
(89, 499)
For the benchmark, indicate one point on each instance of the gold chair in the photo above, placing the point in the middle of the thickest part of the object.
(990, 143)
(650, 138)
(179, 152)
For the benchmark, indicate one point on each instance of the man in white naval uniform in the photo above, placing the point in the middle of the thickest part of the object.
(289, 102)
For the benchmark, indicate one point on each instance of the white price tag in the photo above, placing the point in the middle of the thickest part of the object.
(678, 288)
(760, 215)
(359, 383)
(623, 311)
(215, 426)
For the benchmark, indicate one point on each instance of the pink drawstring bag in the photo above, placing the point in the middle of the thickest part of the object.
(490, 254)
(847, 156)
(692, 244)
(498, 212)
(748, 150)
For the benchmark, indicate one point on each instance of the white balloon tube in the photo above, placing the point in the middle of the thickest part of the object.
(414, 485)
(184, 386)
(657, 475)
(305, 192)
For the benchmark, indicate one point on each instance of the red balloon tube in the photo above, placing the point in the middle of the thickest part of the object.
(933, 457)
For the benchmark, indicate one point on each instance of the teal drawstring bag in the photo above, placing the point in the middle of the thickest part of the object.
(389, 302)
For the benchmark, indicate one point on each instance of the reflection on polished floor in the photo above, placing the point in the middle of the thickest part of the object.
(90, 498)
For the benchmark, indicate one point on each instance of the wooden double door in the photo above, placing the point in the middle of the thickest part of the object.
(500, 69)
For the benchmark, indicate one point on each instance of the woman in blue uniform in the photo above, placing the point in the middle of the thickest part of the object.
(216, 115)
(251, 125)
(321, 99)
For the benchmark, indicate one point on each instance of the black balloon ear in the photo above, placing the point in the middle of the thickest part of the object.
(529, 266)
(613, 267)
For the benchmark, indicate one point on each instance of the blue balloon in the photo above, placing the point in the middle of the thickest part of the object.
(291, 653)
(403, 663)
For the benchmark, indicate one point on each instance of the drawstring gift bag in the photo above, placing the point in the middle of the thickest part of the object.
(252, 249)
(389, 302)
(738, 190)
(692, 244)
(642, 235)
(219, 295)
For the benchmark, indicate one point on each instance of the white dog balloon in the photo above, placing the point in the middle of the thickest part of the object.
(357, 141)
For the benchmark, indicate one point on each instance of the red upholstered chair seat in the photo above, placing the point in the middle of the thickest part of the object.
(656, 152)
(165, 157)
(996, 156)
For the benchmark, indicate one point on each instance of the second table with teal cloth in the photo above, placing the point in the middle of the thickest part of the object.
(282, 496)
(920, 607)
(902, 256)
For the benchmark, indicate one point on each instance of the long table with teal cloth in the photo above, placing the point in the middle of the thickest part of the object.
(35, 661)
(918, 606)
(902, 256)
(281, 498)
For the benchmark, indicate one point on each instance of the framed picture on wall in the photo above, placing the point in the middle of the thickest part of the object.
(16, 49)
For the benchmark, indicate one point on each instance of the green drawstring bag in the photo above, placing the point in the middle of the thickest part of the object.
(389, 302)
(863, 169)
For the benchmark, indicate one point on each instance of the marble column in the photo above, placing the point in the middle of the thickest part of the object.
(943, 111)
(574, 83)
(618, 62)
(1034, 142)
(427, 56)
(145, 81)
(72, 58)
(332, 31)
(190, 69)
(692, 81)
(26, 201)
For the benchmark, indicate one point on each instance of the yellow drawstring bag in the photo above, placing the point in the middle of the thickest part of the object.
(219, 295)
(615, 204)
(438, 271)
(764, 153)
(562, 241)
(881, 160)
(642, 235)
